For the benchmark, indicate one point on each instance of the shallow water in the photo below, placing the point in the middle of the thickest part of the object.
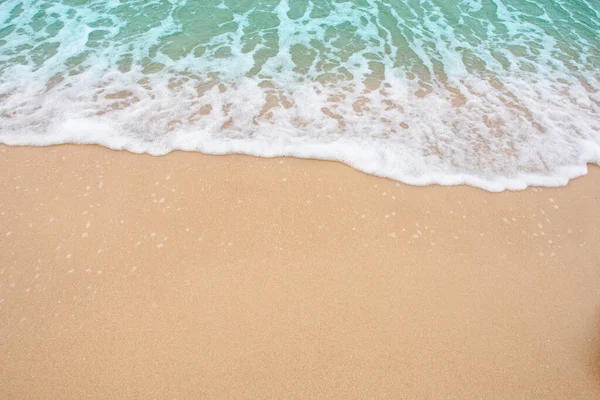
(492, 93)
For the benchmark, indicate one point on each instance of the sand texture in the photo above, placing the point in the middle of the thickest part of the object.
(190, 276)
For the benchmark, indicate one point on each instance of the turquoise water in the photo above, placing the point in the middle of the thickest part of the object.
(493, 93)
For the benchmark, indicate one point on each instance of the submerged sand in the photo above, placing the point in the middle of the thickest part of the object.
(195, 276)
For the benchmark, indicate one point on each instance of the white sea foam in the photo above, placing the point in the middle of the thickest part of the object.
(490, 93)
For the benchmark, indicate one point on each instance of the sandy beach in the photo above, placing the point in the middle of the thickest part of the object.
(129, 276)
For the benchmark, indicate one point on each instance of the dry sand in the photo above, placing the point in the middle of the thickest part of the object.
(194, 276)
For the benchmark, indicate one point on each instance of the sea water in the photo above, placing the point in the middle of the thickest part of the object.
(498, 94)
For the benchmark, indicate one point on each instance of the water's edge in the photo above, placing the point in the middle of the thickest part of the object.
(323, 153)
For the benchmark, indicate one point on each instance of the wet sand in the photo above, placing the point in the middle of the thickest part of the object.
(195, 276)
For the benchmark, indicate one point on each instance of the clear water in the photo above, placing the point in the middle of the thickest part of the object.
(492, 93)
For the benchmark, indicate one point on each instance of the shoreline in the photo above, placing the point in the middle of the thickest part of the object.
(232, 276)
(523, 181)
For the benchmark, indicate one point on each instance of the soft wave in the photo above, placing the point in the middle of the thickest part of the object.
(494, 94)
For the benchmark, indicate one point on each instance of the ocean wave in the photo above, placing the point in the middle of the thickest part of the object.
(497, 94)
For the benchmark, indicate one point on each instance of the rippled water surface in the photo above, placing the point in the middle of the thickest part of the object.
(493, 93)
